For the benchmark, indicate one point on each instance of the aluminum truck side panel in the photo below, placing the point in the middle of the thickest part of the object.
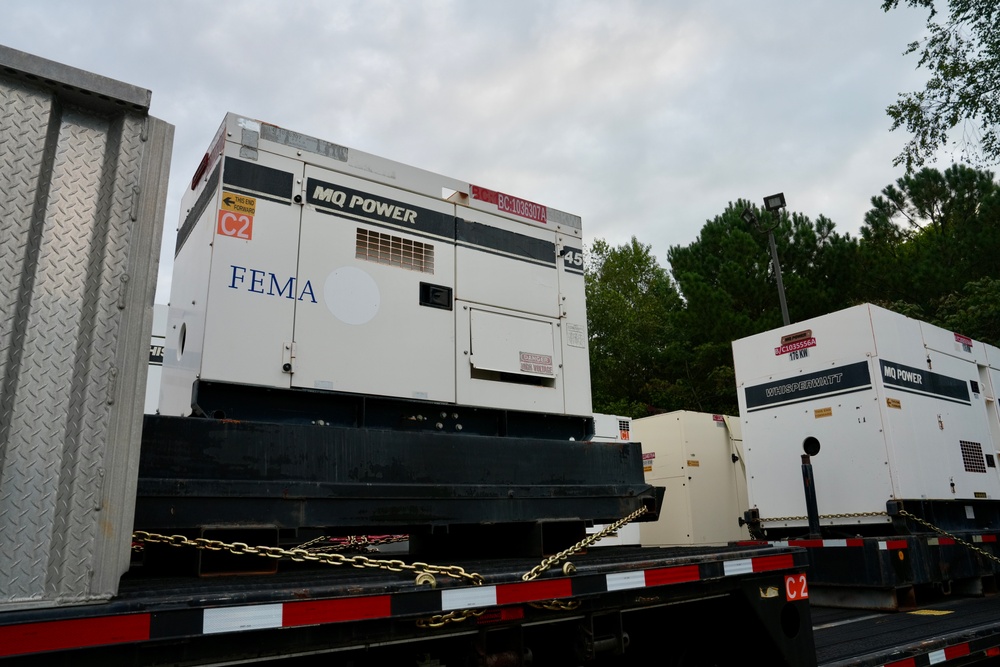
(85, 186)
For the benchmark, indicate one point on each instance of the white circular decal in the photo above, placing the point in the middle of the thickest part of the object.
(351, 295)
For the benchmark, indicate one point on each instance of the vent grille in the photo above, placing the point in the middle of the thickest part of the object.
(395, 251)
(972, 456)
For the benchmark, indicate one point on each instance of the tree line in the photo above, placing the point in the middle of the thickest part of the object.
(660, 340)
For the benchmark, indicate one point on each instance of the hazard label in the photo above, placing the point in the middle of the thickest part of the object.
(536, 363)
(239, 203)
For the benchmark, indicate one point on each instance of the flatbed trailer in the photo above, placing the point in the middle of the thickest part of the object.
(621, 605)
(955, 631)
(616, 605)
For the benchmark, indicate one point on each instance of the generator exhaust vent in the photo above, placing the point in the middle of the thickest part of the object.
(972, 456)
(394, 251)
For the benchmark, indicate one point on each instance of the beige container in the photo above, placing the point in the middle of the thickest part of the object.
(698, 458)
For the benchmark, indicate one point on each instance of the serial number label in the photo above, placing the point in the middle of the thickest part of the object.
(794, 347)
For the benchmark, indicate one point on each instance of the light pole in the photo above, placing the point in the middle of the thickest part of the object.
(772, 204)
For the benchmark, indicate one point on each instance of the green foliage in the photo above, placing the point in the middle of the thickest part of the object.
(630, 306)
(928, 235)
(962, 54)
(928, 249)
(975, 311)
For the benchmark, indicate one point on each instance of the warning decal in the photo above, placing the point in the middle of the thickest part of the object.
(536, 363)
(239, 203)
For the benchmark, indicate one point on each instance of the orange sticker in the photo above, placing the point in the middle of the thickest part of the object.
(236, 225)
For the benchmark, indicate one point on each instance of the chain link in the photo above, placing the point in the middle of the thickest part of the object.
(582, 544)
(441, 620)
(557, 605)
(902, 513)
(363, 543)
(304, 555)
(848, 515)
(324, 554)
(957, 539)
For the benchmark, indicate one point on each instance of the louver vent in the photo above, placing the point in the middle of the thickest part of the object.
(972, 456)
(395, 251)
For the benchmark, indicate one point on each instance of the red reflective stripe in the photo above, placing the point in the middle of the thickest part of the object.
(896, 544)
(314, 612)
(989, 538)
(953, 652)
(855, 543)
(532, 591)
(59, 635)
(945, 541)
(765, 563)
(909, 662)
(993, 651)
(805, 543)
(672, 575)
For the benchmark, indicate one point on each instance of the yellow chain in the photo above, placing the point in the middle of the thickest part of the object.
(902, 513)
(441, 620)
(355, 542)
(848, 515)
(302, 555)
(949, 535)
(582, 544)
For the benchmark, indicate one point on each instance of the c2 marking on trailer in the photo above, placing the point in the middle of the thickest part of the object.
(236, 225)
(796, 587)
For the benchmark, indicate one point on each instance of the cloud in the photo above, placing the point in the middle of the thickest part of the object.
(645, 118)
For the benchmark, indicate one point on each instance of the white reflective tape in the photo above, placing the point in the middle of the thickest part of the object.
(620, 581)
(834, 543)
(936, 657)
(732, 567)
(228, 619)
(977, 538)
(469, 598)
(933, 541)
(882, 546)
(779, 544)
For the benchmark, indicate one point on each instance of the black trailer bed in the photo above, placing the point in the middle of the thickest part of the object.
(956, 631)
(306, 608)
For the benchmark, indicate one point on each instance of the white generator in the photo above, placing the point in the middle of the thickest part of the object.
(614, 429)
(893, 409)
(302, 264)
(698, 458)
(153, 374)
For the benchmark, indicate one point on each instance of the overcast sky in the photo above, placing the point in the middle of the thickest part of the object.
(643, 118)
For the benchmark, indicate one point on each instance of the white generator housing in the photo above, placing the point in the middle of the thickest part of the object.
(698, 458)
(303, 264)
(155, 371)
(900, 409)
(611, 429)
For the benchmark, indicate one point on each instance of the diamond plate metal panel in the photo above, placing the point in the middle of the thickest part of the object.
(81, 214)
